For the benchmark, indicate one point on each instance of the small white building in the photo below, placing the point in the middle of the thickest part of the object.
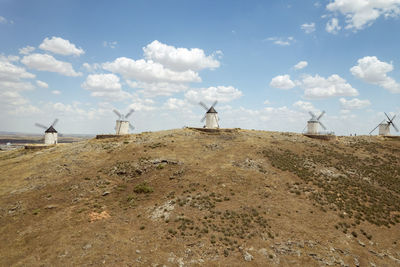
(384, 129)
(312, 127)
(122, 127)
(50, 136)
(212, 119)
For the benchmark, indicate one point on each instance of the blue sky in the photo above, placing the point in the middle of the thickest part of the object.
(267, 63)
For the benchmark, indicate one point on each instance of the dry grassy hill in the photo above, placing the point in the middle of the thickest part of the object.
(188, 198)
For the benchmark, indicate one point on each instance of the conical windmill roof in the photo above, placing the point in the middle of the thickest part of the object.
(51, 130)
(212, 110)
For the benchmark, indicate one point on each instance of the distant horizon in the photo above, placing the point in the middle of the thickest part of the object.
(2, 133)
(268, 63)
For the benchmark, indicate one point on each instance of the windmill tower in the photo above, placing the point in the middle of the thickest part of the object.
(312, 124)
(211, 116)
(50, 134)
(122, 125)
(384, 126)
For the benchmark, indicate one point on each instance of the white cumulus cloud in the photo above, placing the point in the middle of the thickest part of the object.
(60, 46)
(304, 106)
(13, 103)
(354, 103)
(91, 67)
(320, 87)
(175, 104)
(282, 82)
(42, 84)
(26, 50)
(301, 65)
(11, 72)
(282, 41)
(308, 27)
(56, 92)
(210, 94)
(105, 86)
(12, 82)
(333, 26)
(157, 88)
(362, 13)
(372, 70)
(46, 62)
(149, 71)
(179, 59)
(12, 77)
(140, 104)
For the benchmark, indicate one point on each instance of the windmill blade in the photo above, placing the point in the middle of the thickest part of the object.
(312, 114)
(54, 122)
(215, 103)
(131, 127)
(129, 113)
(203, 118)
(320, 116)
(394, 126)
(374, 128)
(117, 113)
(323, 126)
(387, 116)
(41, 126)
(203, 105)
(393, 118)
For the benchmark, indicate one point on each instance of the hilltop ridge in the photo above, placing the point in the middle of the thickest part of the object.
(189, 198)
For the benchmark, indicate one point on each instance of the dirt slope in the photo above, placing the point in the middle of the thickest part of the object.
(188, 198)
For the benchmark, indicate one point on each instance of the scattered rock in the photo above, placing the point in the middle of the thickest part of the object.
(247, 256)
(361, 243)
(167, 161)
(356, 262)
(87, 246)
(394, 259)
(105, 193)
(95, 216)
(163, 211)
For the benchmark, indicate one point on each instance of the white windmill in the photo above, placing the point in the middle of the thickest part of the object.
(211, 116)
(50, 134)
(312, 124)
(122, 125)
(384, 126)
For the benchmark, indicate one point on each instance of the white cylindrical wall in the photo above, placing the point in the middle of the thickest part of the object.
(212, 120)
(122, 127)
(384, 129)
(50, 138)
(312, 127)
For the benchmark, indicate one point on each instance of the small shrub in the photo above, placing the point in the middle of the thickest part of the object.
(143, 188)
(160, 167)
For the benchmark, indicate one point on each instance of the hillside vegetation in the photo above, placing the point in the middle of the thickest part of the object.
(189, 198)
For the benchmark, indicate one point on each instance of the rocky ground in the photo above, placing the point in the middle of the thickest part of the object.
(189, 198)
